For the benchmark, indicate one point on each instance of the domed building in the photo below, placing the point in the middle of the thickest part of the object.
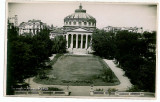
(78, 29)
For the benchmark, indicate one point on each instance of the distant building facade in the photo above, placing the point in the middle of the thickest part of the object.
(32, 27)
(129, 29)
(55, 31)
(13, 21)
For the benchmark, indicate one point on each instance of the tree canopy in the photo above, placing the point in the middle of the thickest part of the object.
(134, 53)
(27, 54)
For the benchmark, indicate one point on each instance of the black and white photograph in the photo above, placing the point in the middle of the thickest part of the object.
(81, 49)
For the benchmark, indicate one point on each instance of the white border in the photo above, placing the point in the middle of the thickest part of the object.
(24, 99)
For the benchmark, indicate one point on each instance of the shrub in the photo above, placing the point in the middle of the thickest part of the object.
(54, 89)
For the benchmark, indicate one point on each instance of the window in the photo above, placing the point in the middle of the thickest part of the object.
(66, 23)
(89, 23)
(74, 23)
(69, 23)
(85, 23)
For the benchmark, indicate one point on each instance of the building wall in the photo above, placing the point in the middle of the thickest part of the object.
(13, 20)
(129, 29)
(32, 26)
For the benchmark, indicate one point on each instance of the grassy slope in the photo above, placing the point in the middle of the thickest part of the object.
(77, 70)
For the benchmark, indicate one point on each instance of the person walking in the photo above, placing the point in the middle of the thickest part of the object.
(67, 87)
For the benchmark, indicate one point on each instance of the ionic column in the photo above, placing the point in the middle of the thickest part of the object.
(91, 41)
(77, 41)
(82, 41)
(72, 41)
(67, 39)
(86, 41)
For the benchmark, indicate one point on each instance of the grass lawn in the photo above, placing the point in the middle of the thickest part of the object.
(77, 70)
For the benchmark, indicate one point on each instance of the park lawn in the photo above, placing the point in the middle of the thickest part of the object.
(77, 70)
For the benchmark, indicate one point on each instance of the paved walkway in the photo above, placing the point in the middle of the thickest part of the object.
(84, 90)
(124, 81)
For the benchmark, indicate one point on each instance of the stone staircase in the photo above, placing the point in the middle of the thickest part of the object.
(80, 51)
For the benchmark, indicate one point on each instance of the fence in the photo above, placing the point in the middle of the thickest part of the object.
(92, 93)
(121, 94)
(43, 93)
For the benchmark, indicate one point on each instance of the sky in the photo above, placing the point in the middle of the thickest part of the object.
(106, 14)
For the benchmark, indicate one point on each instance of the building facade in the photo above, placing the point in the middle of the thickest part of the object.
(31, 27)
(78, 29)
(55, 31)
(13, 21)
(129, 29)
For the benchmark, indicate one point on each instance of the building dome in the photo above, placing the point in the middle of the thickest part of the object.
(80, 18)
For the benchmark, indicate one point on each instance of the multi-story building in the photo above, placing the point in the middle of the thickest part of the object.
(31, 27)
(130, 29)
(13, 21)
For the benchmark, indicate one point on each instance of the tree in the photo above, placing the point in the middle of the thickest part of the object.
(103, 43)
(59, 44)
(26, 56)
(12, 35)
(135, 53)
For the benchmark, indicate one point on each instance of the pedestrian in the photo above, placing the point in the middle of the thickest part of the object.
(67, 87)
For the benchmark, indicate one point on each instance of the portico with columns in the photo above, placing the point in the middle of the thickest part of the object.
(78, 40)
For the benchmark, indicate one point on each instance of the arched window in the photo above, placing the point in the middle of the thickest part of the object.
(74, 23)
(85, 23)
(66, 23)
(89, 23)
(69, 23)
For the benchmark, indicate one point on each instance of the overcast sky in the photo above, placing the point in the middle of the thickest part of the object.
(118, 15)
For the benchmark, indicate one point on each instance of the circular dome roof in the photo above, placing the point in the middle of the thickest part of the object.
(80, 14)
